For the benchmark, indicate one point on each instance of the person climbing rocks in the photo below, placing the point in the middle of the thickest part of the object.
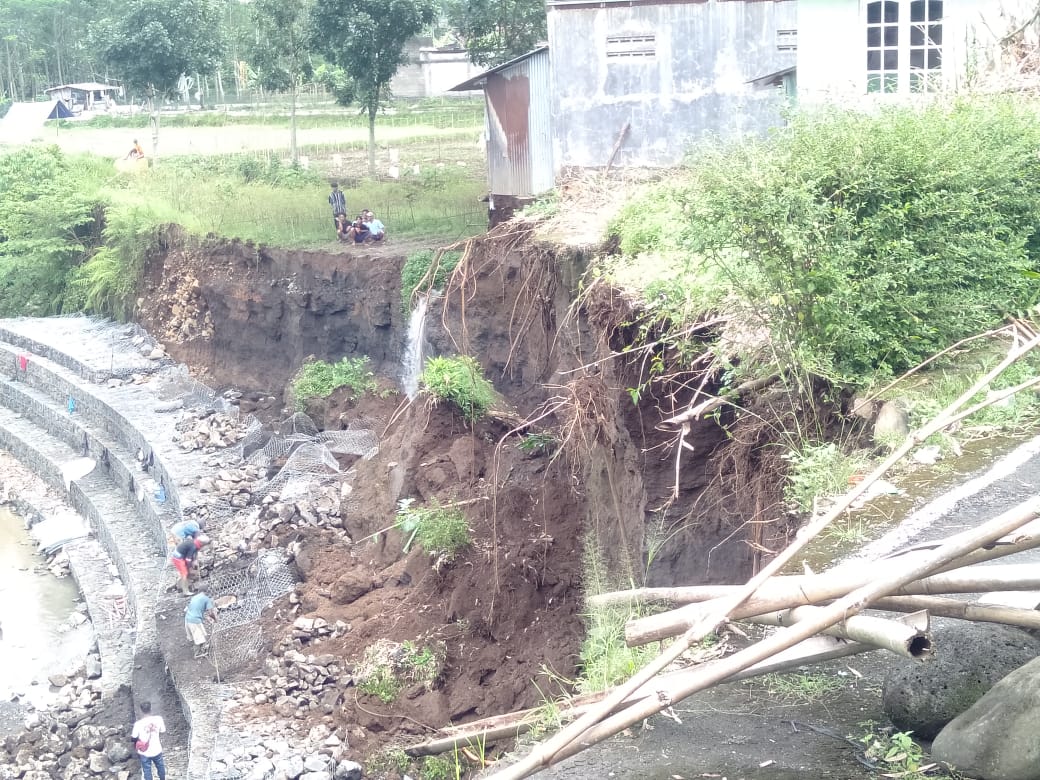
(199, 610)
(183, 559)
(146, 740)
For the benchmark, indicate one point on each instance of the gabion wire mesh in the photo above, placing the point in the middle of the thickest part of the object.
(176, 384)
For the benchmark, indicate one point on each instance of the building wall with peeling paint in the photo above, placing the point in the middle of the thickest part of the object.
(654, 78)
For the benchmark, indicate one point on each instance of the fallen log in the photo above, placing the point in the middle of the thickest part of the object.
(806, 590)
(908, 638)
(961, 610)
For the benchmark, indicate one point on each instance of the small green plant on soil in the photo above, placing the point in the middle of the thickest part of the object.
(898, 755)
(390, 760)
(543, 442)
(460, 381)
(848, 530)
(319, 379)
(440, 768)
(801, 688)
(416, 272)
(441, 530)
(816, 471)
(387, 667)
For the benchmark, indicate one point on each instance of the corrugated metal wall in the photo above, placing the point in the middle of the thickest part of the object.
(518, 127)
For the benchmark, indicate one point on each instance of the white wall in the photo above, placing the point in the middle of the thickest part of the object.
(832, 46)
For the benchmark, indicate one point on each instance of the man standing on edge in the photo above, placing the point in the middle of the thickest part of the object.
(338, 201)
(146, 739)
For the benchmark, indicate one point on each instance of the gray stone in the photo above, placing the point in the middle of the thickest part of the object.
(970, 659)
(92, 667)
(292, 766)
(117, 749)
(316, 776)
(99, 763)
(995, 739)
(90, 737)
(316, 762)
(348, 770)
(261, 769)
(58, 680)
(892, 421)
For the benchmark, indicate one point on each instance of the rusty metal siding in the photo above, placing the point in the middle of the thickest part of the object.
(519, 139)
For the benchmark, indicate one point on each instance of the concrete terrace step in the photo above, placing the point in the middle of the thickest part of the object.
(123, 533)
(75, 431)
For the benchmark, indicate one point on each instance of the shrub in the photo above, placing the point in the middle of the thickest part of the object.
(416, 268)
(816, 471)
(441, 531)
(864, 243)
(460, 381)
(318, 379)
(388, 666)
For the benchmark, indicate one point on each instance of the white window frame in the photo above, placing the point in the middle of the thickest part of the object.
(912, 42)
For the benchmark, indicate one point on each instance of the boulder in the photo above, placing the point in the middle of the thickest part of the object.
(316, 776)
(117, 749)
(90, 737)
(351, 586)
(995, 739)
(892, 421)
(316, 762)
(291, 766)
(970, 659)
(348, 770)
(99, 763)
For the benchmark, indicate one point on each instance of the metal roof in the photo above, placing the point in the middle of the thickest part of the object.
(478, 81)
(86, 86)
(772, 78)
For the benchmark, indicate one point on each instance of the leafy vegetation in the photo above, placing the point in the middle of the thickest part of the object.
(319, 379)
(441, 530)
(460, 381)
(818, 471)
(417, 268)
(861, 243)
(495, 32)
(50, 221)
(388, 666)
(898, 755)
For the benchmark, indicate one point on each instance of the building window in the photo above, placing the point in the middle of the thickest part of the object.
(904, 46)
(631, 46)
(787, 40)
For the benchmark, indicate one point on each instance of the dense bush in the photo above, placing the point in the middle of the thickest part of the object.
(864, 243)
(51, 214)
(318, 379)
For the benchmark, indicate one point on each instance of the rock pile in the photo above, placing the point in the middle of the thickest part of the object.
(259, 750)
(207, 430)
(300, 685)
(69, 740)
(235, 486)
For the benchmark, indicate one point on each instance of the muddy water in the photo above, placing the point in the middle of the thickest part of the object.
(35, 612)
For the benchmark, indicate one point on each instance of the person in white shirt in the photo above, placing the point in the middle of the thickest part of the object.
(376, 230)
(146, 740)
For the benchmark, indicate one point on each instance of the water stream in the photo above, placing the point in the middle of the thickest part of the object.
(413, 352)
(43, 632)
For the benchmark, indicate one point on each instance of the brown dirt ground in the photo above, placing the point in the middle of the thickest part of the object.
(506, 609)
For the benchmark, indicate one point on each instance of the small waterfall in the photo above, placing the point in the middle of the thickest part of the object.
(413, 351)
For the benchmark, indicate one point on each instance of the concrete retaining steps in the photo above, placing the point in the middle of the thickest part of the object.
(116, 521)
(112, 421)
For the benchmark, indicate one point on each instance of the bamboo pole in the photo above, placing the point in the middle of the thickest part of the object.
(715, 671)
(961, 610)
(700, 624)
(813, 650)
(806, 590)
(909, 639)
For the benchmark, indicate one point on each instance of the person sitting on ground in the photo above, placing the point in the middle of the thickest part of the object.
(376, 230)
(135, 153)
(183, 558)
(145, 736)
(342, 227)
(359, 230)
(199, 610)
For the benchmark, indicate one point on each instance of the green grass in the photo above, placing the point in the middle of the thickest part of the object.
(460, 381)
(801, 688)
(442, 531)
(818, 471)
(416, 269)
(319, 379)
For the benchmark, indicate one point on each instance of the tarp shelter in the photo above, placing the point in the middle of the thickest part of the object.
(24, 121)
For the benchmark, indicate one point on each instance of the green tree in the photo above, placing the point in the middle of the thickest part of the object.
(495, 31)
(280, 55)
(366, 39)
(150, 43)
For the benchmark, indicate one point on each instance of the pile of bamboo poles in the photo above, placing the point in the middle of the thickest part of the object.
(816, 614)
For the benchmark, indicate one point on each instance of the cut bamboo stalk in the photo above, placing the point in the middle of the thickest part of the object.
(909, 639)
(805, 590)
(961, 610)
(711, 673)
(813, 650)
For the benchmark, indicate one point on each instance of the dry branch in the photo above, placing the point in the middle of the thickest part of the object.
(961, 610)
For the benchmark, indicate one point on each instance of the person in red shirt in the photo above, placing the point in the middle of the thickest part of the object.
(183, 558)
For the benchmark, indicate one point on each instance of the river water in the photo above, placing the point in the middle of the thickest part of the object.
(37, 616)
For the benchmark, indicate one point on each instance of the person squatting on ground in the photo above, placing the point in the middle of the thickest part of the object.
(376, 229)
(183, 558)
(200, 609)
(146, 740)
(338, 201)
(135, 153)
